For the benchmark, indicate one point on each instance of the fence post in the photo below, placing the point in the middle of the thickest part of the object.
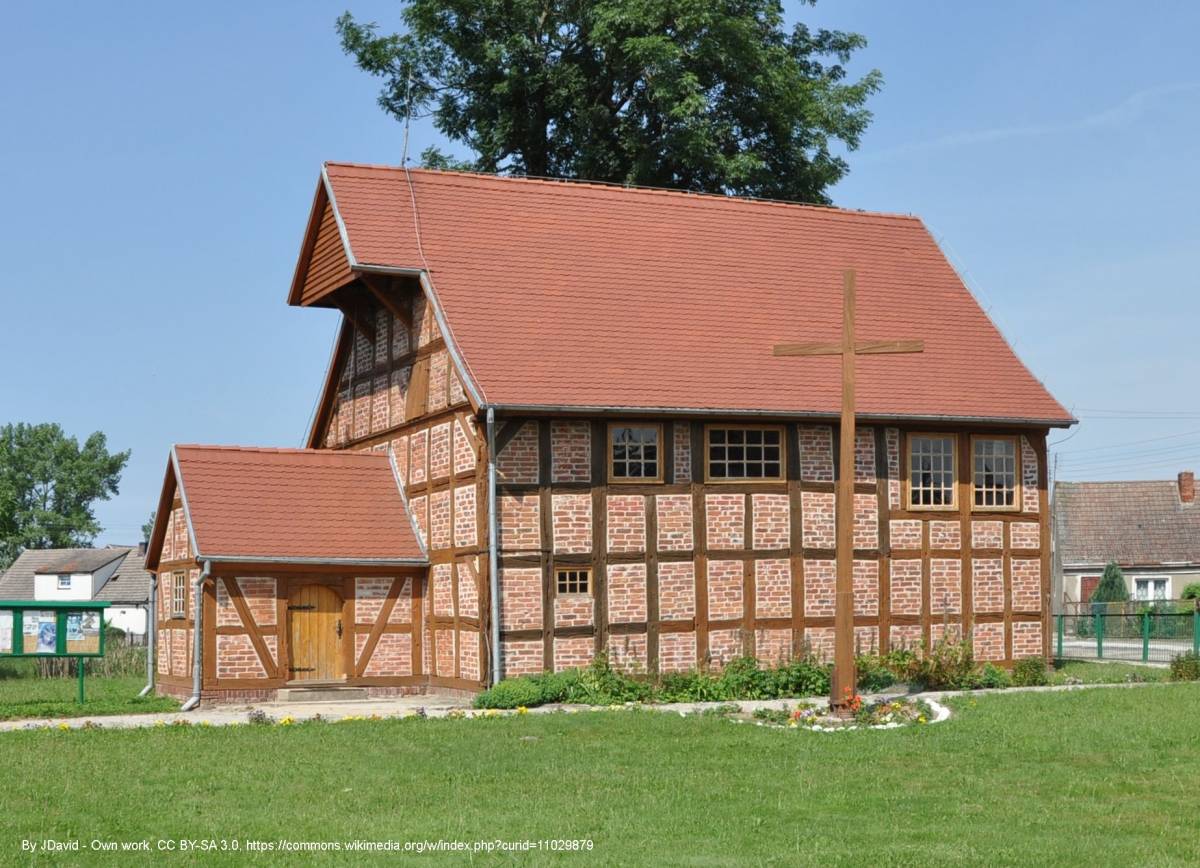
(1061, 618)
(1195, 632)
(1146, 636)
(1099, 636)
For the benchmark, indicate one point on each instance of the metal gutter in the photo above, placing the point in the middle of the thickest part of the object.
(582, 410)
(197, 637)
(348, 562)
(493, 556)
(151, 636)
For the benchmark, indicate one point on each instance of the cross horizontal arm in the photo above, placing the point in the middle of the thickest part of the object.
(861, 348)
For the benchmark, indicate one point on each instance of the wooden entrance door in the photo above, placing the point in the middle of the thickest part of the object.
(315, 626)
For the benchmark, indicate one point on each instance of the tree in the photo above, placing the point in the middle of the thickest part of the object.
(148, 527)
(48, 486)
(1111, 588)
(704, 95)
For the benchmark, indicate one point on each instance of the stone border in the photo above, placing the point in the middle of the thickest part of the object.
(448, 707)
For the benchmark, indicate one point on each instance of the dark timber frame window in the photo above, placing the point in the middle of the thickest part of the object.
(634, 453)
(179, 594)
(995, 473)
(744, 453)
(573, 580)
(931, 471)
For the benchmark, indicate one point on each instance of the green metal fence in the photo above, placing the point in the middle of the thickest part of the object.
(1134, 632)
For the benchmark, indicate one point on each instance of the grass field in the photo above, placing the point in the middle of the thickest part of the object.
(1105, 776)
(23, 695)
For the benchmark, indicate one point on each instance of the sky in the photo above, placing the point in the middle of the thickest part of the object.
(159, 162)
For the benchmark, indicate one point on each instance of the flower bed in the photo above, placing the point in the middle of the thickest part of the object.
(882, 714)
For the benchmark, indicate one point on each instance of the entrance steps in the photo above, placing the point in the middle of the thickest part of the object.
(330, 693)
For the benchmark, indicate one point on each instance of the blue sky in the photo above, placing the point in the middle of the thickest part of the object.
(159, 161)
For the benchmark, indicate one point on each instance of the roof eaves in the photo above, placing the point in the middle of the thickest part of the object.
(337, 217)
(404, 499)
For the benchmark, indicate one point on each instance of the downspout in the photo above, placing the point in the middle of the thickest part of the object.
(151, 636)
(197, 637)
(493, 554)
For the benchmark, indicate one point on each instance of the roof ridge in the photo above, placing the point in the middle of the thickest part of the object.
(281, 450)
(637, 188)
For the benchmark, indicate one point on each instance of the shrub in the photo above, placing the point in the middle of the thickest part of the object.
(804, 676)
(1111, 588)
(947, 666)
(1191, 592)
(1185, 667)
(990, 676)
(874, 674)
(511, 693)
(1030, 672)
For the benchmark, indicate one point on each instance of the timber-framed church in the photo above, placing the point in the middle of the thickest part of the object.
(553, 426)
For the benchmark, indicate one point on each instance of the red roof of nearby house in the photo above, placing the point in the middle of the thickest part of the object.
(585, 295)
(1133, 523)
(295, 504)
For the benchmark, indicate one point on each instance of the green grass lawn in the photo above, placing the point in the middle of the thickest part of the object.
(1106, 672)
(24, 695)
(1087, 777)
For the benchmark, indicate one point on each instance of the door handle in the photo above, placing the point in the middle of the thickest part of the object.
(339, 628)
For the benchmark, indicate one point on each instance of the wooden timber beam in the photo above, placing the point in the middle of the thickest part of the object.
(861, 348)
(379, 288)
(363, 327)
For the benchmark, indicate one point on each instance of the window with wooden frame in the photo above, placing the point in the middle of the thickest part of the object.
(994, 473)
(634, 453)
(573, 580)
(179, 594)
(744, 453)
(931, 476)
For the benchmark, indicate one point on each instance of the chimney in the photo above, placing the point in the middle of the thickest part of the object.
(1187, 487)
(142, 548)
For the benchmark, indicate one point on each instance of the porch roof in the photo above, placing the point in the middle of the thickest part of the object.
(251, 504)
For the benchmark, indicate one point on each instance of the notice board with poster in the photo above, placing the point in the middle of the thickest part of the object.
(46, 628)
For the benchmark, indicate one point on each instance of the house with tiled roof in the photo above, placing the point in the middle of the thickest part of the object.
(116, 574)
(570, 392)
(1150, 529)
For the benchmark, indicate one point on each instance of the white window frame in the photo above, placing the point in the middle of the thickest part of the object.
(64, 582)
(1165, 580)
(178, 597)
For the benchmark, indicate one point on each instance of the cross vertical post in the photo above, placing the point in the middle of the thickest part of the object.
(844, 682)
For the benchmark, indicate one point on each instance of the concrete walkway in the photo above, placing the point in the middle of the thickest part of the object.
(454, 706)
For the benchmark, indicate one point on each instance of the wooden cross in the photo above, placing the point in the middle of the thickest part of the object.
(844, 683)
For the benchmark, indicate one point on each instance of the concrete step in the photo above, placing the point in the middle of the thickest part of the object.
(332, 693)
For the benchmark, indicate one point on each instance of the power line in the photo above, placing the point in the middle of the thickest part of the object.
(1128, 442)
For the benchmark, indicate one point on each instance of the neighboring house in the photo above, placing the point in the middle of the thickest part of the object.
(116, 574)
(1151, 530)
(664, 485)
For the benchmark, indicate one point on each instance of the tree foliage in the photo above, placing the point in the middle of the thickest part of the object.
(705, 95)
(1111, 588)
(48, 486)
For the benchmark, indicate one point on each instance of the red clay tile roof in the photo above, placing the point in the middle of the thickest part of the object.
(295, 504)
(586, 295)
(1132, 523)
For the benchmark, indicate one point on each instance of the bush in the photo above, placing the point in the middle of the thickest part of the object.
(804, 676)
(1191, 592)
(874, 674)
(1111, 588)
(1185, 667)
(949, 665)
(990, 677)
(1030, 672)
(511, 693)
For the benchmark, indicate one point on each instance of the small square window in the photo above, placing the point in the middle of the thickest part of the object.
(179, 595)
(64, 583)
(931, 471)
(745, 453)
(574, 581)
(633, 452)
(994, 472)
